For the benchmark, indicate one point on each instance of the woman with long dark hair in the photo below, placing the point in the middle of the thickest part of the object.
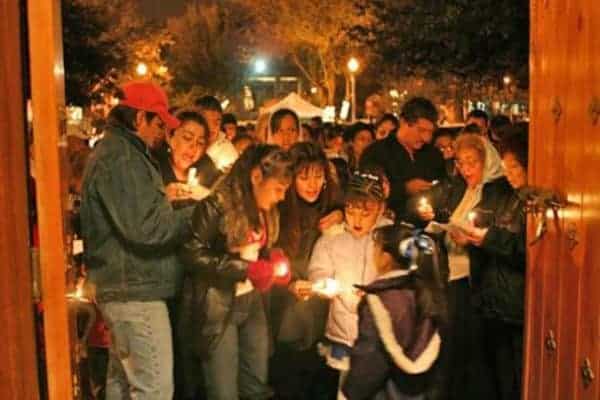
(228, 265)
(312, 206)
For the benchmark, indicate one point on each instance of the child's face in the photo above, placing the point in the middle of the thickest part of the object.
(361, 216)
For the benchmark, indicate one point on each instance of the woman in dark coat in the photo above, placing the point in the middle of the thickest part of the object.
(475, 194)
(500, 297)
(227, 266)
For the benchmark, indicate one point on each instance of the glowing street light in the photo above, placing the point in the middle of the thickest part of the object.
(260, 66)
(507, 79)
(141, 69)
(353, 66)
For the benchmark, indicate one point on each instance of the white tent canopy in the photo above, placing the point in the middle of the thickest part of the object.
(294, 102)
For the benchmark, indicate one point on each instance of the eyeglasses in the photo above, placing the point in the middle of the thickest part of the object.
(472, 163)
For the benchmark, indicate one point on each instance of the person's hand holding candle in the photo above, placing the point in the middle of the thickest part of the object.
(425, 210)
(301, 289)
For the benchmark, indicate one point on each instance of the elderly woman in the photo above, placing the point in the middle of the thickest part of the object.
(471, 197)
(500, 296)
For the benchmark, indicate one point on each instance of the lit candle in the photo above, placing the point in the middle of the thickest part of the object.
(423, 202)
(281, 269)
(192, 179)
(472, 217)
(327, 287)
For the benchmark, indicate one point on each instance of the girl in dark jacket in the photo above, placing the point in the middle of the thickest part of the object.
(399, 318)
(227, 266)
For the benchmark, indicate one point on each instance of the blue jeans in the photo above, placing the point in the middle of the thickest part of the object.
(140, 364)
(237, 367)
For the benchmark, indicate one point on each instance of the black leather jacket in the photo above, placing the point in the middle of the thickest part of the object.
(211, 273)
(501, 293)
(498, 266)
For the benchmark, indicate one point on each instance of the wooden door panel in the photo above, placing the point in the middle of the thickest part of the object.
(571, 255)
(589, 318)
(550, 118)
(563, 292)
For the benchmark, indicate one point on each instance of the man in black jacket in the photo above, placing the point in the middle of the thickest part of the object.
(410, 162)
(131, 233)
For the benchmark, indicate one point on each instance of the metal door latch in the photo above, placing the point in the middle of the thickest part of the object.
(539, 202)
(594, 110)
(587, 374)
(550, 342)
(572, 239)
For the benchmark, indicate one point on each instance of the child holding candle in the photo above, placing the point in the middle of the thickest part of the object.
(398, 342)
(348, 259)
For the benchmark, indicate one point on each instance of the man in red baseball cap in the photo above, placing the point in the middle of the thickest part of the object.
(151, 102)
(131, 234)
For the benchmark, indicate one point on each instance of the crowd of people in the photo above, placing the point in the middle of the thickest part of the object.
(302, 259)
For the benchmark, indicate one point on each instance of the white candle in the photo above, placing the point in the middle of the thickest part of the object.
(327, 287)
(192, 179)
(281, 269)
(472, 216)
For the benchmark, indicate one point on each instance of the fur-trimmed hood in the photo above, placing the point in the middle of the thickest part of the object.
(390, 301)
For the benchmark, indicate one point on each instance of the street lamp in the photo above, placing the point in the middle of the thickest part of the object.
(353, 66)
(506, 80)
(260, 66)
(141, 69)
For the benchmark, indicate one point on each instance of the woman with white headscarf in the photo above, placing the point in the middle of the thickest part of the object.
(456, 207)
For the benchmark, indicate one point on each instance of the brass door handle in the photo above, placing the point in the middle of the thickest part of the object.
(550, 342)
(587, 374)
(594, 110)
(572, 239)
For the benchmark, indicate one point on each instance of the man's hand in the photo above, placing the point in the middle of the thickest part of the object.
(417, 185)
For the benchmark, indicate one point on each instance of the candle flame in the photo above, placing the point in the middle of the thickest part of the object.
(327, 287)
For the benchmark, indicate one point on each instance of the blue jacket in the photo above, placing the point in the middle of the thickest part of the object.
(130, 229)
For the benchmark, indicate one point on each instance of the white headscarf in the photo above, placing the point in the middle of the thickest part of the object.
(492, 169)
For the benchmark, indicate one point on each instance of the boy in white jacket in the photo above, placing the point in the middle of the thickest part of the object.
(339, 262)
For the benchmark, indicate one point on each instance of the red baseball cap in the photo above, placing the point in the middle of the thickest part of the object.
(146, 96)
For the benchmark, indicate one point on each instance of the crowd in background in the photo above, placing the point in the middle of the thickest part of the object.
(303, 260)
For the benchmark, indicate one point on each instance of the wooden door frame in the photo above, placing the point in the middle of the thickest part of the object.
(18, 355)
(48, 101)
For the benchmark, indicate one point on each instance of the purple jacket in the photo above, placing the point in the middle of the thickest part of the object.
(395, 351)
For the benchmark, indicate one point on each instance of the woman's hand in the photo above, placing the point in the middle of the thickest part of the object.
(459, 236)
(198, 192)
(301, 289)
(476, 236)
(333, 218)
(248, 252)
